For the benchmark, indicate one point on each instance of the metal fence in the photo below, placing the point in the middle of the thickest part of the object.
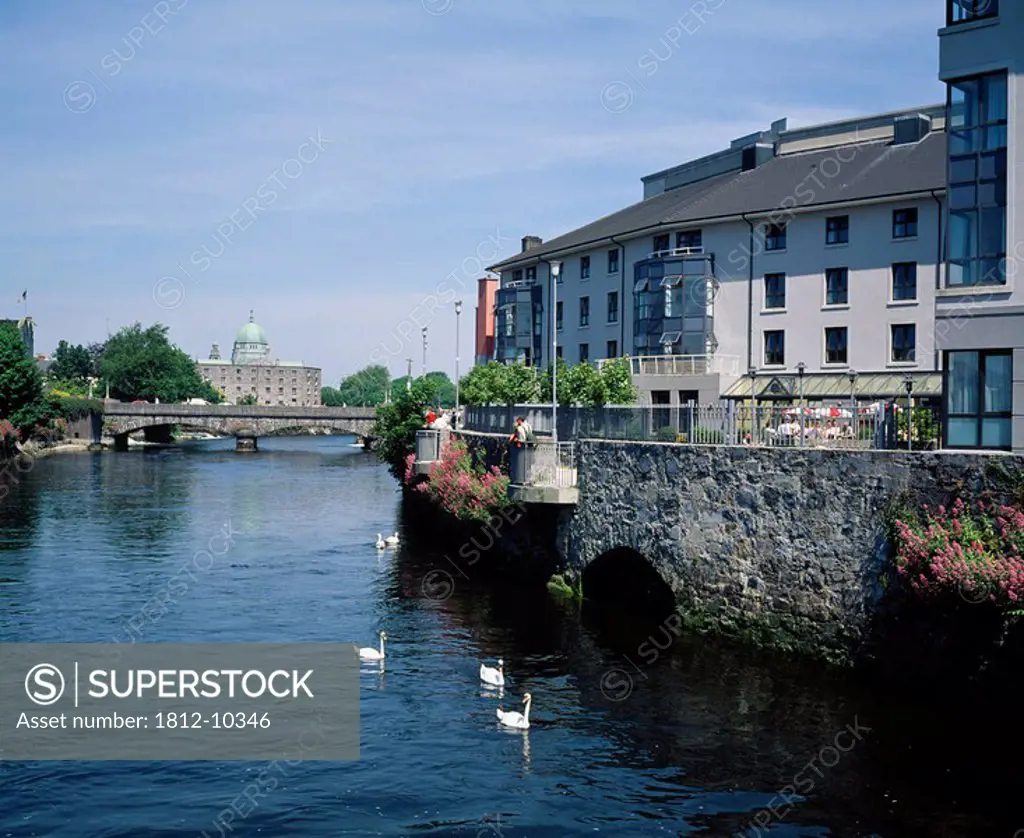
(882, 425)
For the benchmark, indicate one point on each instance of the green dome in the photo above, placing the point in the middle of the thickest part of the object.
(251, 333)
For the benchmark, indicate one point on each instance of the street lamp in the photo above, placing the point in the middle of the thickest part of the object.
(800, 379)
(556, 271)
(754, 428)
(851, 376)
(424, 332)
(458, 311)
(908, 384)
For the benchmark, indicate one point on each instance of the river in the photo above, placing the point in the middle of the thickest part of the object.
(697, 739)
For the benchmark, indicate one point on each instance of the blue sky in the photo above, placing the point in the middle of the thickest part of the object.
(329, 163)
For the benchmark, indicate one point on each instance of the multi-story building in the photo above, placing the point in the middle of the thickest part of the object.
(818, 246)
(252, 372)
(979, 306)
(855, 257)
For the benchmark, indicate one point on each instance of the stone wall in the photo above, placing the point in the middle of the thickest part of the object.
(785, 547)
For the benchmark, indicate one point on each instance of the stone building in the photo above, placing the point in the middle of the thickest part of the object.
(253, 372)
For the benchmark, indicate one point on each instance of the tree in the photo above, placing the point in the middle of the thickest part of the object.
(71, 363)
(142, 364)
(330, 397)
(585, 384)
(618, 378)
(442, 389)
(398, 421)
(495, 383)
(21, 385)
(366, 388)
(247, 399)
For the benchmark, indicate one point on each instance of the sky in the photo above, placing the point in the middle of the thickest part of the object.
(332, 164)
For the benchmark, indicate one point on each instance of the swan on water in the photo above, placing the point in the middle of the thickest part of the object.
(513, 719)
(368, 653)
(380, 542)
(391, 540)
(490, 675)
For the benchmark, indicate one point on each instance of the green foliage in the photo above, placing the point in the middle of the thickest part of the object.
(71, 408)
(143, 364)
(398, 421)
(247, 399)
(366, 388)
(73, 364)
(586, 385)
(21, 385)
(330, 397)
(925, 428)
(495, 383)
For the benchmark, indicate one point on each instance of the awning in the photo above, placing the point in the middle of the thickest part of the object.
(836, 386)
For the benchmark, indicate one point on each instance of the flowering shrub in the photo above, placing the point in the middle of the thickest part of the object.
(8, 436)
(976, 550)
(467, 492)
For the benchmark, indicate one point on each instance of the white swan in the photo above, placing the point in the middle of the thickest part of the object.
(514, 719)
(391, 540)
(368, 653)
(380, 542)
(490, 675)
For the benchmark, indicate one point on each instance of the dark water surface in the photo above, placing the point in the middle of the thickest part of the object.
(695, 742)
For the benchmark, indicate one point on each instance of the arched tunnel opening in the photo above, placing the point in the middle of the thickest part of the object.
(624, 580)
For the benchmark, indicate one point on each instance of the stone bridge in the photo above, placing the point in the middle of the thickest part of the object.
(121, 419)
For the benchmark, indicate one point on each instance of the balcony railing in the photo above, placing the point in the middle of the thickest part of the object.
(685, 365)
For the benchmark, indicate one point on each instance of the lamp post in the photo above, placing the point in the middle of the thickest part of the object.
(851, 376)
(800, 368)
(754, 429)
(458, 311)
(408, 375)
(556, 271)
(908, 384)
(424, 333)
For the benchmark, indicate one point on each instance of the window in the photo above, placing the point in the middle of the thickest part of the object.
(775, 349)
(613, 261)
(558, 315)
(661, 243)
(961, 11)
(979, 405)
(558, 351)
(977, 119)
(904, 281)
(689, 240)
(837, 229)
(904, 223)
(584, 267)
(835, 345)
(837, 287)
(517, 275)
(584, 311)
(904, 343)
(612, 350)
(775, 237)
(613, 306)
(584, 353)
(774, 291)
(531, 273)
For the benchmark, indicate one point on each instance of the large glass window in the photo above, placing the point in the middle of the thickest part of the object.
(977, 181)
(979, 387)
(661, 242)
(904, 223)
(584, 268)
(613, 261)
(689, 240)
(961, 11)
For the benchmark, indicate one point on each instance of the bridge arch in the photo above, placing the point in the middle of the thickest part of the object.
(624, 577)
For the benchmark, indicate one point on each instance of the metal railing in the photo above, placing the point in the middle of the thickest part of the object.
(543, 463)
(685, 365)
(878, 426)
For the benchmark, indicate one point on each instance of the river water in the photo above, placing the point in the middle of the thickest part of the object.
(697, 739)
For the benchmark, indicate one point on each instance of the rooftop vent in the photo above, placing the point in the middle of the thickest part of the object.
(910, 129)
(531, 243)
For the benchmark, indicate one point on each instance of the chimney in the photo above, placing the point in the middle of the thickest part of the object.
(531, 243)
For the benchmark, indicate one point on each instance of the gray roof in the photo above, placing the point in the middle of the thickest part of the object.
(873, 170)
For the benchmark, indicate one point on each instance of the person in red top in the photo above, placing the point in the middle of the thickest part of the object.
(431, 416)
